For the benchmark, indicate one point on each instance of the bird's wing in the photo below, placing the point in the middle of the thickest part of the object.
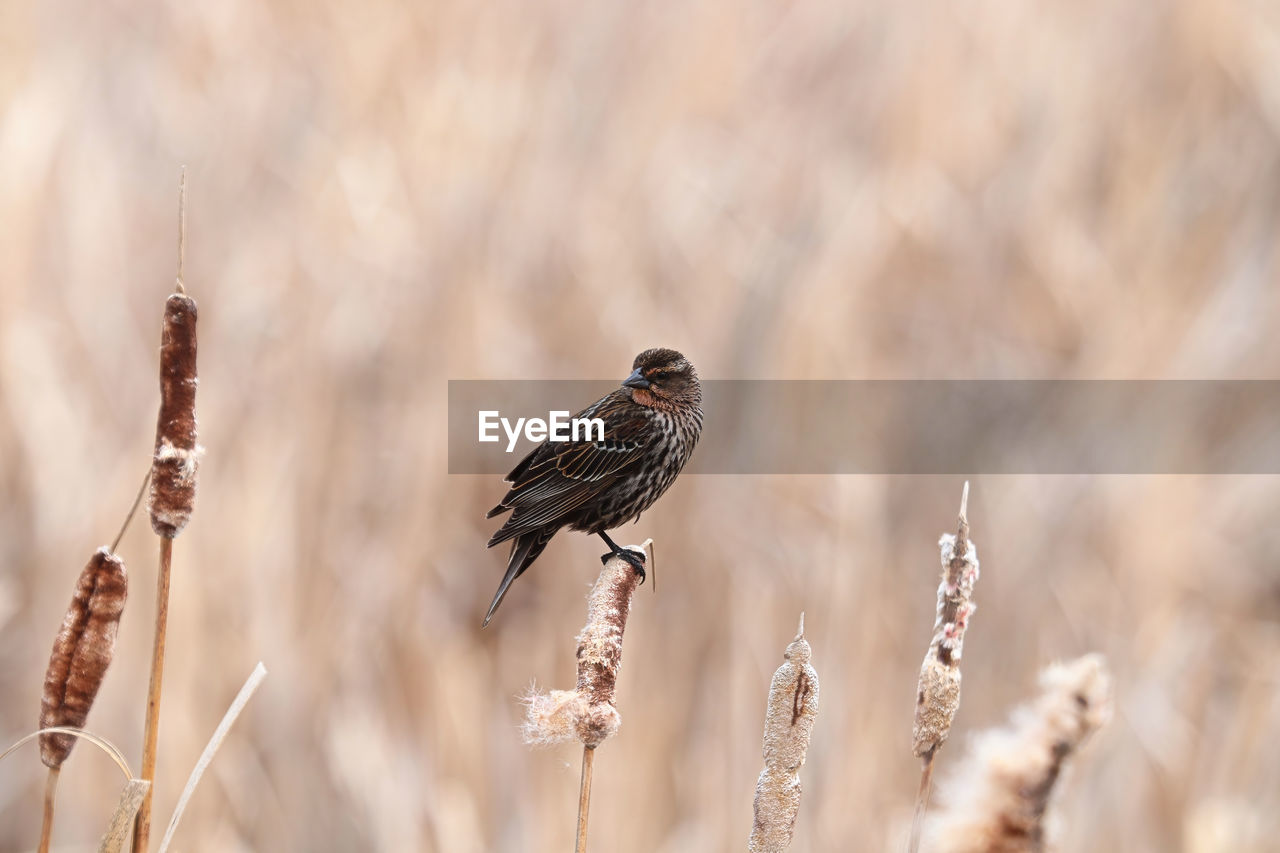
(559, 476)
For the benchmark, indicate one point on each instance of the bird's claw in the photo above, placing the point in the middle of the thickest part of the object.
(631, 558)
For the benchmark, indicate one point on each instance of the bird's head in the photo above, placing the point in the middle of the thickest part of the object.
(662, 376)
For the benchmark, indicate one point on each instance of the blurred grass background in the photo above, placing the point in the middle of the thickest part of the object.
(383, 196)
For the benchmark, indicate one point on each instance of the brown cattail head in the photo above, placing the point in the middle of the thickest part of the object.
(788, 723)
(173, 471)
(1000, 795)
(938, 695)
(82, 652)
(588, 713)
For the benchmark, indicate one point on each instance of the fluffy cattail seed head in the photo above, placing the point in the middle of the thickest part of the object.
(999, 798)
(588, 712)
(82, 652)
(938, 695)
(173, 472)
(792, 710)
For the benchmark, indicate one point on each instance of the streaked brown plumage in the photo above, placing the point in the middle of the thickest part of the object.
(652, 423)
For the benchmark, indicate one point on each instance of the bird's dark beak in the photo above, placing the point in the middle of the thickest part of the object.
(635, 380)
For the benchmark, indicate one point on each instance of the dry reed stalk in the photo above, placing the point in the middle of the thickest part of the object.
(81, 653)
(588, 713)
(938, 692)
(211, 749)
(789, 719)
(173, 489)
(999, 798)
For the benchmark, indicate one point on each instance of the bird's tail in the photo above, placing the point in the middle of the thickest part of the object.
(524, 550)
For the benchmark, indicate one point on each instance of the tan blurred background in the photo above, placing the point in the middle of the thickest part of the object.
(383, 196)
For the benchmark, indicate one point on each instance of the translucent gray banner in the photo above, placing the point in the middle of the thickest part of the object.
(921, 426)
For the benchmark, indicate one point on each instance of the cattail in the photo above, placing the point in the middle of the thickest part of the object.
(588, 713)
(938, 695)
(82, 652)
(173, 473)
(1000, 796)
(173, 491)
(792, 710)
(938, 692)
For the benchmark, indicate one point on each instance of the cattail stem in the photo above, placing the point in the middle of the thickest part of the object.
(182, 229)
(922, 802)
(142, 824)
(584, 798)
(137, 501)
(50, 792)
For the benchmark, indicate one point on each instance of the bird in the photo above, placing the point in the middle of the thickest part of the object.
(651, 425)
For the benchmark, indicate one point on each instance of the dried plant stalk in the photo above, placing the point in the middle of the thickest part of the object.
(999, 799)
(938, 692)
(588, 713)
(792, 710)
(177, 456)
(250, 686)
(82, 652)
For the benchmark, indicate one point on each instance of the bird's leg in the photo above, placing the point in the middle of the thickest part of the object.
(634, 560)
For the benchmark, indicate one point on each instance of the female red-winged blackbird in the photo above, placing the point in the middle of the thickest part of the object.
(651, 425)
